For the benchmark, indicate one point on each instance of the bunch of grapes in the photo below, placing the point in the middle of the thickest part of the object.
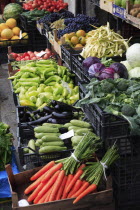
(81, 21)
(50, 18)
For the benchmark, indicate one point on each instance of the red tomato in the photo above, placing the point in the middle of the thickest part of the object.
(15, 55)
(34, 5)
(39, 3)
(34, 58)
(45, 56)
(49, 54)
(25, 54)
(27, 57)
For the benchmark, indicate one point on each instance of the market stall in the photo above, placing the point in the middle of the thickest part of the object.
(75, 86)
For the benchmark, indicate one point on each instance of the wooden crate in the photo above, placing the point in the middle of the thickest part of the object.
(106, 5)
(58, 43)
(98, 201)
(131, 19)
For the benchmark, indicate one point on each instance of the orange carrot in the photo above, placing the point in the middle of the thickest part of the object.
(81, 189)
(35, 193)
(42, 171)
(69, 178)
(52, 171)
(60, 191)
(75, 178)
(76, 187)
(48, 184)
(57, 184)
(42, 200)
(48, 194)
(81, 167)
(34, 184)
(90, 189)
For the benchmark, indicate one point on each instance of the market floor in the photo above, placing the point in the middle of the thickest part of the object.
(7, 107)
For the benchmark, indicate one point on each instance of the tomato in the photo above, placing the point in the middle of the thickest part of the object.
(27, 57)
(55, 10)
(65, 4)
(34, 5)
(49, 54)
(39, 3)
(34, 58)
(15, 55)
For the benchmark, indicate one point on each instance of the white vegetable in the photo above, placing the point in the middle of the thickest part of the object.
(133, 55)
(127, 65)
(134, 73)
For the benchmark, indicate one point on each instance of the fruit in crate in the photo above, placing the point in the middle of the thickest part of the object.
(135, 9)
(32, 55)
(12, 10)
(76, 39)
(9, 31)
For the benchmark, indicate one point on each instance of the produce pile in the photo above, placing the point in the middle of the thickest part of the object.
(12, 10)
(37, 83)
(119, 97)
(104, 42)
(69, 178)
(79, 22)
(53, 17)
(10, 33)
(135, 9)
(34, 14)
(104, 68)
(50, 6)
(45, 54)
(5, 146)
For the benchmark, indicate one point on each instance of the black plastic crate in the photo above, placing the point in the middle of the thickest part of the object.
(41, 159)
(67, 51)
(82, 89)
(106, 125)
(95, 2)
(77, 68)
(26, 24)
(15, 96)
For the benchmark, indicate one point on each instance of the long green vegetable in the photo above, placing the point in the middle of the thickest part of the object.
(84, 150)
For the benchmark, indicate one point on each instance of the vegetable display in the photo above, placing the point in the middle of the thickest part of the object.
(32, 55)
(70, 178)
(104, 42)
(58, 112)
(37, 83)
(119, 97)
(51, 6)
(5, 146)
(95, 67)
(34, 14)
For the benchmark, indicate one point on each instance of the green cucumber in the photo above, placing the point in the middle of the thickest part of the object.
(46, 129)
(40, 135)
(83, 131)
(31, 144)
(80, 123)
(76, 139)
(67, 125)
(52, 125)
(38, 142)
(54, 143)
(48, 138)
(75, 128)
(48, 149)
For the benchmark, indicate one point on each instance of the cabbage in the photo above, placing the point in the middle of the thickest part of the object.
(89, 61)
(120, 69)
(108, 73)
(133, 55)
(127, 65)
(134, 73)
(95, 69)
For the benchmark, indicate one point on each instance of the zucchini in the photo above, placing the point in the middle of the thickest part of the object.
(75, 128)
(76, 139)
(52, 125)
(40, 135)
(67, 125)
(26, 150)
(83, 131)
(31, 144)
(46, 129)
(38, 142)
(48, 149)
(80, 123)
(50, 138)
(54, 143)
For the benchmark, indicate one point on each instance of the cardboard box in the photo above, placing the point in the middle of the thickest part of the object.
(101, 200)
(131, 19)
(106, 5)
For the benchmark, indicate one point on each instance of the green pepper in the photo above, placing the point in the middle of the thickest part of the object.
(33, 99)
(47, 95)
(26, 102)
(28, 83)
(49, 61)
(65, 92)
(25, 75)
(75, 97)
(39, 102)
(15, 82)
(28, 69)
(32, 93)
(57, 90)
(53, 78)
(64, 78)
(32, 88)
(36, 79)
(43, 105)
(20, 89)
(31, 64)
(76, 89)
(51, 83)
(48, 89)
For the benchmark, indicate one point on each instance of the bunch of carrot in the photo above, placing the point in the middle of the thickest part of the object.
(61, 179)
